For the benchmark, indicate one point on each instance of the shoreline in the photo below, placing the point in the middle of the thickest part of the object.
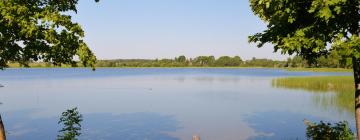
(280, 68)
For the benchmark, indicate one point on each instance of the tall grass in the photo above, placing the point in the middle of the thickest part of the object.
(319, 69)
(342, 88)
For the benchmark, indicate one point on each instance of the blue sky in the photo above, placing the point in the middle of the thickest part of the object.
(167, 28)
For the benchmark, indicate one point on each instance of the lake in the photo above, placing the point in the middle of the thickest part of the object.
(164, 103)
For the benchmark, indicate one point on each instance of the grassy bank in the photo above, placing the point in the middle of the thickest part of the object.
(321, 86)
(317, 84)
(319, 69)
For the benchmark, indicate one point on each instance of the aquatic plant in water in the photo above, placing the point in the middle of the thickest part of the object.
(71, 120)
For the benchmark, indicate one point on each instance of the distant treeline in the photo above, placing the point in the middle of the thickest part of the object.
(331, 61)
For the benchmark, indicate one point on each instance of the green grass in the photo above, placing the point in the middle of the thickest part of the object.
(320, 69)
(321, 86)
(317, 84)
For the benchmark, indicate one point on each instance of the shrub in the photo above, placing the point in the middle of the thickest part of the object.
(328, 131)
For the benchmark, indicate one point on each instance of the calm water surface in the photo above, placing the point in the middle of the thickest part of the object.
(161, 104)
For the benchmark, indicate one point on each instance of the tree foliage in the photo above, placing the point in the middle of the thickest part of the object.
(33, 30)
(309, 27)
(313, 29)
(71, 120)
(180, 59)
(328, 131)
(203, 61)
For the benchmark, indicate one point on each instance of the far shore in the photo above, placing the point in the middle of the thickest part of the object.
(284, 68)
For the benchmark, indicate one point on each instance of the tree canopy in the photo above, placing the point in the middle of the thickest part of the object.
(33, 30)
(310, 28)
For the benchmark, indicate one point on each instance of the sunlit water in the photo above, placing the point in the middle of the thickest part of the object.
(161, 104)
